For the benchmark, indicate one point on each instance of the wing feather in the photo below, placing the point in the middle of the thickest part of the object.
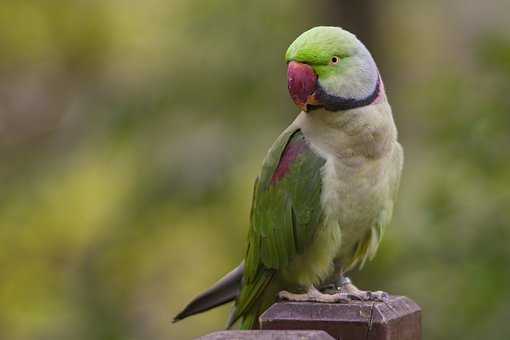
(286, 212)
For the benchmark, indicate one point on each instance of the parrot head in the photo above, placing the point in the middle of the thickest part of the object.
(330, 68)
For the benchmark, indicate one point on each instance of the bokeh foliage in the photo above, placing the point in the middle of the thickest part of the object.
(131, 132)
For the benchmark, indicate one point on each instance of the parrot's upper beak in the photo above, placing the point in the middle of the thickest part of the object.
(302, 83)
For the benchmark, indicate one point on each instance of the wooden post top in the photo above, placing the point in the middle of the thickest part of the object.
(399, 318)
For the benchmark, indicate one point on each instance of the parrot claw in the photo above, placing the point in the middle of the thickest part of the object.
(354, 293)
(378, 296)
(313, 295)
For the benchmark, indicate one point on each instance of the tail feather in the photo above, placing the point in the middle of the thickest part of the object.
(225, 290)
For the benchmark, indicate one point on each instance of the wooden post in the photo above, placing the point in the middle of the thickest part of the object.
(267, 335)
(397, 319)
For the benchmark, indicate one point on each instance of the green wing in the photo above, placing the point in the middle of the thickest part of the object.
(286, 212)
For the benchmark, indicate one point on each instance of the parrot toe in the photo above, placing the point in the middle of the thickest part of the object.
(354, 293)
(377, 296)
(313, 295)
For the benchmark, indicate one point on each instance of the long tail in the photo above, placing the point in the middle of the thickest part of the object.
(225, 290)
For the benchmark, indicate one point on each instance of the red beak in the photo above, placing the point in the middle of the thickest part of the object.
(302, 83)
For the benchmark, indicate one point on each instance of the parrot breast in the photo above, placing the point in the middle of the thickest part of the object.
(358, 186)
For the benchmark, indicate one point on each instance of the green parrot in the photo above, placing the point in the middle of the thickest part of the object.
(327, 187)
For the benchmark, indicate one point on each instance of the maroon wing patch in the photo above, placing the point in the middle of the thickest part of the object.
(296, 146)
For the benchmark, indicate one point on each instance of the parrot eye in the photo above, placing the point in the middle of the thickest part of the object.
(335, 60)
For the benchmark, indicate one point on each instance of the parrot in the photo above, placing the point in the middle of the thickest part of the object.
(327, 187)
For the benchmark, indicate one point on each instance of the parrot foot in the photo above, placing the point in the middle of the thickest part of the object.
(313, 295)
(378, 296)
(354, 293)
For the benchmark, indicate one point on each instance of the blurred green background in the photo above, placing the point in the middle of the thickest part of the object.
(131, 133)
